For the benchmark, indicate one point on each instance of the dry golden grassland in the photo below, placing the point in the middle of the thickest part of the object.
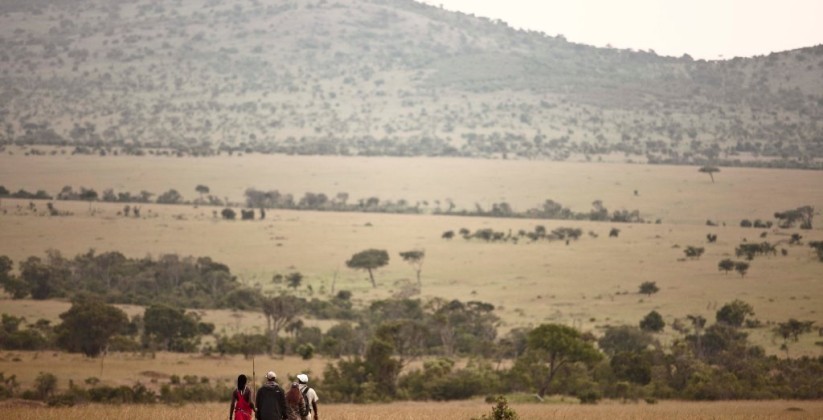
(589, 283)
(127, 369)
(451, 410)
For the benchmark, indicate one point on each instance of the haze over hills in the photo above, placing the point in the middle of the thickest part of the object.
(384, 77)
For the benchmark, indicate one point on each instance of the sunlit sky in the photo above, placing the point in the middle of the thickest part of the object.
(710, 29)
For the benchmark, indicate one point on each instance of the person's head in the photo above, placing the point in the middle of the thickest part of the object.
(241, 382)
(271, 376)
(303, 378)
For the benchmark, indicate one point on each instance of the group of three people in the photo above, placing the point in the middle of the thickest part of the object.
(272, 403)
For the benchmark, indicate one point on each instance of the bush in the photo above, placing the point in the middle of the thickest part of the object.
(589, 397)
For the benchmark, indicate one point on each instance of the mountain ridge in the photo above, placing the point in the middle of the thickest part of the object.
(377, 77)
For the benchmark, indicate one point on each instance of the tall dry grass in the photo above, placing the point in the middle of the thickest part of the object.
(451, 410)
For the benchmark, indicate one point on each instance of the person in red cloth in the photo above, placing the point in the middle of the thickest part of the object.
(241, 403)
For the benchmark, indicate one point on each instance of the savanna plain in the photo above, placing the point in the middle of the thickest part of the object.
(590, 283)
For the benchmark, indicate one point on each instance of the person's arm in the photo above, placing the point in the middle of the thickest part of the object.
(231, 407)
(281, 402)
(314, 404)
(247, 396)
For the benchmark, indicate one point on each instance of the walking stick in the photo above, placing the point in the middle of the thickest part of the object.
(253, 380)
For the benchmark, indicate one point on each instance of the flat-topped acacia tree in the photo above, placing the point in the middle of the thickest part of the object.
(369, 260)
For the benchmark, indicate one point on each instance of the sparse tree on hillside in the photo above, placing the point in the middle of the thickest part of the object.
(734, 313)
(709, 170)
(415, 258)
(803, 215)
(792, 329)
(648, 288)
(741, 267)
(202, 189)
(228, 214)
(294, 280)
(698, 323)
(369, 260)
(652, 322)
(170, 197)
(725, 265)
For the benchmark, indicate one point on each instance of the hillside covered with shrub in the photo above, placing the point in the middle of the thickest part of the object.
(383, 77)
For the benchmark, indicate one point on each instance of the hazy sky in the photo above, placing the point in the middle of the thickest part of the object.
(707, 29)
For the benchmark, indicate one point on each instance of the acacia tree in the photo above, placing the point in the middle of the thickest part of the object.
(725, 265)
(88, 326)
(202, 189)
(734, 313)
(652, 322)
(791, 329)
(415, 258)
(552, 346)
(709, 170)
(648, 288)
(279, 312)
(369, 260)
(741, 267)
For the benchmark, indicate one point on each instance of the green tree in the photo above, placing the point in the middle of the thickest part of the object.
(279, 312)
(552, 346)
(734, 313)
(369, 260)
(633, 366)
(652, 322)
(13, 285)
(170, 197)
(415, 258)
(170, 328)
(648, 288)
(88, 326)
(725, 265)
(711, 170)
(201, 189)
(501, 411)
(741, 267)
(294, 280)
(791, 330)
(45, 385)
(624, 338)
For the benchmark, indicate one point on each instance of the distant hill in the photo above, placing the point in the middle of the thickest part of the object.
(384, 77)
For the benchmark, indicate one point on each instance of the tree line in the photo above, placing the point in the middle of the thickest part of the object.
(274, 199)
(369, 358)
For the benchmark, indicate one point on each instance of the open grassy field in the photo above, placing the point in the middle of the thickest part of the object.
(127, 368)
(590, 283)
(453, 410)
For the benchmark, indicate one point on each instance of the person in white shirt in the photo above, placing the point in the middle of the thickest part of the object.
(311, 396)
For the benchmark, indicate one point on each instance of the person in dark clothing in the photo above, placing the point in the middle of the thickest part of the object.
(271, 400)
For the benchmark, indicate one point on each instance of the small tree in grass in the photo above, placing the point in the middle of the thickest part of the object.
(501, 411)
(652, 322)
(649, 288)
(415, 258)
(369, 260)
(791, 330)
(709, 170)
(726, 265)
(734, 313)
(741, 267)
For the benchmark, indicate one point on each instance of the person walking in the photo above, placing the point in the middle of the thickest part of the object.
(271, 400)
(309, 395)
(295, 404)
(241, 405)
